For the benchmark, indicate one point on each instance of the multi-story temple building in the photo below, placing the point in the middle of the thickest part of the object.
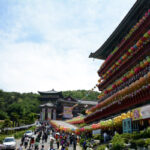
(55, 106)
(125, 74)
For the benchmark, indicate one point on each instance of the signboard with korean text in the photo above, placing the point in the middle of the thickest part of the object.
(95, 132)
(141, 113)
(43, 114)
(67, 112)
(49, 113)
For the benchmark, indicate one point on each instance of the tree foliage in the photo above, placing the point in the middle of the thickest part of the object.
(21, 108)
(82, 94)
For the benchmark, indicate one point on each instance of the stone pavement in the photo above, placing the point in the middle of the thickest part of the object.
(47, 145)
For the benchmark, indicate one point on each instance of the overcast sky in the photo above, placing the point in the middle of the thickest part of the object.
(45, 44)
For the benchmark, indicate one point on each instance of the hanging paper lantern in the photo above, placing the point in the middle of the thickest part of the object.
(145, 62)
(119, 61)
(114, 86)
(99, 81)
(127, 53)
(148, 59)
(124, 79)
(143, 39)
(130, 51)
(146, 35)
(105, 91)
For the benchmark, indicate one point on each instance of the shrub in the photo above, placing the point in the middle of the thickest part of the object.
(126, 137)
(133, 144)
(140, 142)
(101, 147)
(97, 136)
(117, 142)
(148, 132)
(147, 142)
(136, 135)
(144, 134)
(81, 142)
(19, 134)
(2, 138)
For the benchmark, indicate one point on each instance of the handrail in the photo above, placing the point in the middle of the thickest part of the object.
(21, 127)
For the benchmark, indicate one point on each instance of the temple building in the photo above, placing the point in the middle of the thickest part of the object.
(56, 107)
(125, 74)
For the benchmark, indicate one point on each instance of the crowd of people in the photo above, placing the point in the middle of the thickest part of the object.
(46, 133)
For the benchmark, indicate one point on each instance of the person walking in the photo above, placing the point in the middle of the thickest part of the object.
(57, 142)
(37, 144)
(32, 142)
(26, 142)
(74, 142)
(21, 147)
(42, 147)
(46, 136)
(105, 137)
(51, 143)
(43, 138)
(84, 145)
(22, 139)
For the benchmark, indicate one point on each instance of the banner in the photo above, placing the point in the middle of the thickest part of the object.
(54, 114)
(43, 114)
(141, 113)
(49, 113)
(95, 132)
(67, 112)
(145, 112)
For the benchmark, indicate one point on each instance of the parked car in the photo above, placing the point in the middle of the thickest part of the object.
(9, 143)
(28, 133)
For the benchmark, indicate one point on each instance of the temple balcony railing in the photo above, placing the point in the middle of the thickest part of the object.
(126, 66)
(138, 98)
(127, 83)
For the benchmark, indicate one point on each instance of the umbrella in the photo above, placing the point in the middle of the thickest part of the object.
(33, 136)
(51, 138)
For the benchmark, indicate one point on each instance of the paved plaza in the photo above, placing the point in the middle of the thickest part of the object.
(47, 145)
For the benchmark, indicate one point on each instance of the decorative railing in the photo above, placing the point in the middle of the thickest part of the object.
(126, 82)
(137, 93)
(137, 56)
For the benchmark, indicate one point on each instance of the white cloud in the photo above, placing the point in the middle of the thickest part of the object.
(46, 45)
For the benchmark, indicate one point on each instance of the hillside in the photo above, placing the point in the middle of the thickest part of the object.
(82, 94)
(22, 106)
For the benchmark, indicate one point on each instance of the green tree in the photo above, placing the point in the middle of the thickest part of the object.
(3, 115)
(15, 118)
(7, 123)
